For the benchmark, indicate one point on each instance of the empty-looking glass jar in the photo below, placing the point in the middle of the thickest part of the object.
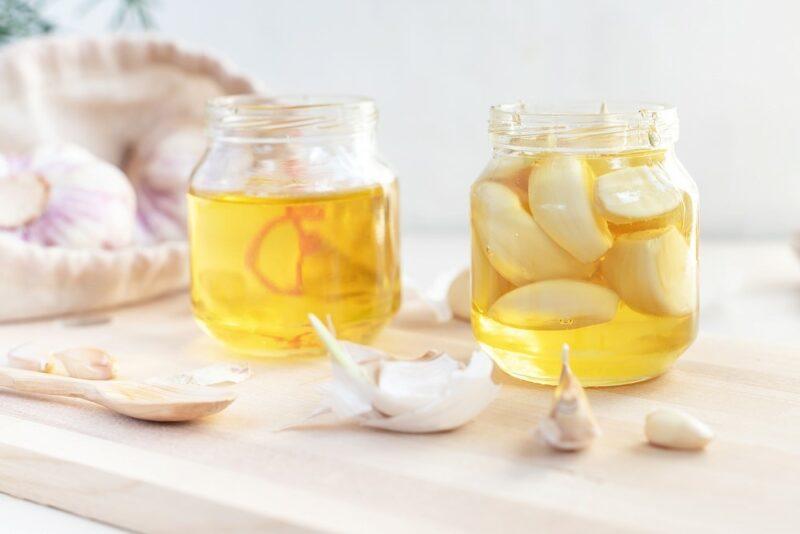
(584, 231)
(291, 212)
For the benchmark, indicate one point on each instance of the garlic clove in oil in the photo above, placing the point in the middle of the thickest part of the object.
(431, 394)
(556, 305)
(515, 244)
(675, 429)
(653, 271)
(635, 193)
(560, 197)
(570, 425)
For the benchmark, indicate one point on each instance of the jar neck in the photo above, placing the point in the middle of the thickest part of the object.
(588, 128)
(300, 121)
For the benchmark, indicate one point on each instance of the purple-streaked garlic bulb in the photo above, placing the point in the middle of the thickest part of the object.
(159, 168)
(62, 196)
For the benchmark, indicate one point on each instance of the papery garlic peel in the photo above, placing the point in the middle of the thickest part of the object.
(431, 394)
(570, 425)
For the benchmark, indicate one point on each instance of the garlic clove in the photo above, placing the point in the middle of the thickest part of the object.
(420, 310)
(87, 363)
(560, 196)
(516, 246)
(653, 271)
(556, 305)
(458, 296)
(469, 391)
(675, 429)
(635, 193)
(570, 425)
(220, 374)
(31, 358)
(24, 197)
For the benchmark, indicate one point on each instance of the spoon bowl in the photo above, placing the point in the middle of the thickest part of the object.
(149, 402)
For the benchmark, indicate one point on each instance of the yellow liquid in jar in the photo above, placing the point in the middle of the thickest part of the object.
(631, 346)
(260, 265)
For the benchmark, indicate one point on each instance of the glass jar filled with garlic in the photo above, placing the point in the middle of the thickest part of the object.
(584, 231)
(292, 212)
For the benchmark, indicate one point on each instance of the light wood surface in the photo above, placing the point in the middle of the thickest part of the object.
(233, 471)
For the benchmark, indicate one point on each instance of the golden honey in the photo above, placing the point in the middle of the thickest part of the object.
(595, 250)
(260, 265)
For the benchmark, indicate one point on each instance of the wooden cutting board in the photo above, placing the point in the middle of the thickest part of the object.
(234, 472)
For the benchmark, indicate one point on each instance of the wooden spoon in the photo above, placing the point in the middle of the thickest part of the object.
(151, 402)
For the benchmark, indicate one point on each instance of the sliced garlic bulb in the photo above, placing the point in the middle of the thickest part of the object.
(556, 304)
(570, 425)
(675, 429)
(516, 246)
(653, 271)
(560, 197)
(635, 194)
(89, 203)
(432, 394)
(24, 196)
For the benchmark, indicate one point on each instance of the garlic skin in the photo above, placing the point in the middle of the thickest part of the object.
(87, 363)
(219, 374)
(570, 425)
(89, 203)
(432, 394)
(674, 429)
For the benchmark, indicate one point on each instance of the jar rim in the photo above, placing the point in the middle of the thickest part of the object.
(290, 116)
(586, 126)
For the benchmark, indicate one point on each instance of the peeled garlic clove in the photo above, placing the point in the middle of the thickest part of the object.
(653, 271)
(556, 304)
(570, 425)
(24, 197)
(87, 363)
(458, 296)
(31, 358)
(635, 193)
(675, 429)
(560, 197)
(514, 243)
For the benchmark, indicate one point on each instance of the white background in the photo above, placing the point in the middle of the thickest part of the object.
(434, 67)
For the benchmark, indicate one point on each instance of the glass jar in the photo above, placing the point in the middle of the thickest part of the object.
(291, 212)
(584, 232)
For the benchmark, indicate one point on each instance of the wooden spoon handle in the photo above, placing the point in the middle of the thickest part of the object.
(46, 384)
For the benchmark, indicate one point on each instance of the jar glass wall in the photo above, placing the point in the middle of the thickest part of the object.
(584, 231)
(292, 212)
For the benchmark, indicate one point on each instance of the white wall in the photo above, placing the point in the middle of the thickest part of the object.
(435, 67)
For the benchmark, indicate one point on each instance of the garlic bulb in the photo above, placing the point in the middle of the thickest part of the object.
(159, 169)
(61, 195)
(431, 394)
(418, 309)
(570, 425)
